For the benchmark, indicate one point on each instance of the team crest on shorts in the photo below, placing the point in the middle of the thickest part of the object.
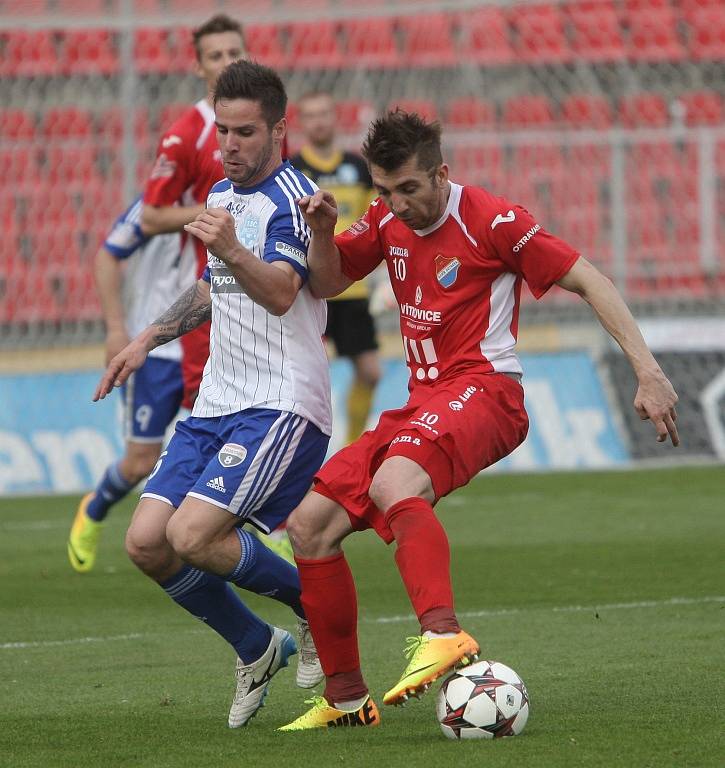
(231, 455)
(446, 270)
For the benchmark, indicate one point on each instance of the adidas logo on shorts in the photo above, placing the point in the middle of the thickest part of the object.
(217, 484)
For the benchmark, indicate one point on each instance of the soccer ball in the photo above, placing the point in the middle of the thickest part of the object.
(484, 701)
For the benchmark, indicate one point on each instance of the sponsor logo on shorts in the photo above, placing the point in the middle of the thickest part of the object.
(217, 484)
(291, 253)
(232, 455)
(405, 439)
(464, 397)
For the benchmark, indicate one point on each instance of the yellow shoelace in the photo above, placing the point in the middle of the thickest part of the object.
(414, 644)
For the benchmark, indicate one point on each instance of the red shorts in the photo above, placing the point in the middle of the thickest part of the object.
(452, 430)
(195, 351)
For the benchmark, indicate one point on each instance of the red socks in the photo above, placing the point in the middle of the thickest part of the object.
(423, 558)
(330, 603)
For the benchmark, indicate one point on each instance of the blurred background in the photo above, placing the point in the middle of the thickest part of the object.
(605, 118)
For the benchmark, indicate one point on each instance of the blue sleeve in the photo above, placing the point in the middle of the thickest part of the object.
(288, 239)
(126, 236)
(206, 275)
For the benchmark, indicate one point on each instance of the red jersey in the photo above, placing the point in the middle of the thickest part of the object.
(188, 164)
(458, 282)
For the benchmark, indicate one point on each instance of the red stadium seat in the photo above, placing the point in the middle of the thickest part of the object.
(69, 167)
(371, 43)
(354, 116)
(644, 109)
(707, 33)
(67, 122)
(539, 33)
(20, 165)
(527, 112)
(469, 112)
(265, 45)
(89, 52)
(653, 35)
(703, 108)
(183, 55)
(17, 124)
(94, 7)
(595, 30)
(484, 34)
(428, 40)
(481, 165)
(23, 7)
(27, 54)
(153, 50)
(585, 111)
(423, 107)
(314, 45)
(110, 124)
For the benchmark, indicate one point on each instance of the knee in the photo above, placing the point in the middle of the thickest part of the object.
(308, 538)
(149, 554)
(187, 544)
(383, 492)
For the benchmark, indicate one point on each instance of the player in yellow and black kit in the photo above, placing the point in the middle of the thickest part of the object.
(346, 175)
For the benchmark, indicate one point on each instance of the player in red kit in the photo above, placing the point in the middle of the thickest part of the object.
(456, 257)
(188, 164)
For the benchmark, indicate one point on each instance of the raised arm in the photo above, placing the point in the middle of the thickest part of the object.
(323, 257)
(655, 398)
(189, 311)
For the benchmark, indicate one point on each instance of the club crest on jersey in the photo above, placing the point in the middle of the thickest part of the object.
(232, 454)
(418, 296)
(249, 232)
(446, 270)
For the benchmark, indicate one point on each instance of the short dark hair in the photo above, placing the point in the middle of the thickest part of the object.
(213, 26)
(255, 82)
(397, 136)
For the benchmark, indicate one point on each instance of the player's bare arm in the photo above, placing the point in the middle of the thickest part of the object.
(655, 398)
(160, 219)
(107, 271)
(273, 285)
(323, 258)
(189, 311)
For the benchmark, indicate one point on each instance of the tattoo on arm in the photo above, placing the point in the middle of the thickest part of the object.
(189, 311)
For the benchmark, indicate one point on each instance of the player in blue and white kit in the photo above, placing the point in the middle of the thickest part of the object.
(137, 277)
(261, 423)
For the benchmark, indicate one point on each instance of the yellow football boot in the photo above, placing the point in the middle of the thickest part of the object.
(83, 539)
(324, 715)
(430, 658)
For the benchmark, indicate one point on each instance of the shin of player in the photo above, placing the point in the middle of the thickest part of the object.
(456, 257)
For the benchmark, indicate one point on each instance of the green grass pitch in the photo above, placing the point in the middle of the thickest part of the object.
(602, 590)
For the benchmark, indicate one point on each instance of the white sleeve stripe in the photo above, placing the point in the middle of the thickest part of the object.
(297, 185)
(293, 207)
(304, 234)
(385, 220)
(134, 212)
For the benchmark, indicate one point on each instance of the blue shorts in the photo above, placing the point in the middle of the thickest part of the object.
(257, 464)
(151, 398)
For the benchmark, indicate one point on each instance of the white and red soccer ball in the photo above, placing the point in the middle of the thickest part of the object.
(486, 700)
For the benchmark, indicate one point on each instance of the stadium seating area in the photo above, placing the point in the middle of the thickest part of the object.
(54, 228)
(591, 30)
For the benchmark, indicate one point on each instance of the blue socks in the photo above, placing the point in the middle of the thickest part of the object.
(211, 599)
(261, 571)
(112, 488)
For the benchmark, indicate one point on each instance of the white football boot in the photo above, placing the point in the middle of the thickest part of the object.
(309, 670)
(253, 679)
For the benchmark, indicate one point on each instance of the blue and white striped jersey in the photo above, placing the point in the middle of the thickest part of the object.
(257, 360)
(156, 273)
